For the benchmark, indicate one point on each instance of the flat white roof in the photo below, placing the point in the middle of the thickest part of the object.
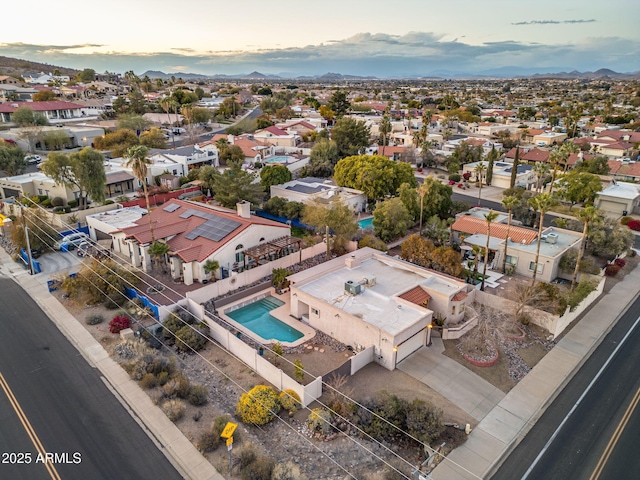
(377, 304)
(120, 218)
(622, 190)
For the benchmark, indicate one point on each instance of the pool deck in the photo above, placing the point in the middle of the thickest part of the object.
(282, 313)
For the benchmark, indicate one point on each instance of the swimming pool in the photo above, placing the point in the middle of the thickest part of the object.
(256, 317)
(279, 159)
(366, 223)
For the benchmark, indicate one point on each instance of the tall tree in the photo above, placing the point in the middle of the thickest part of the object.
(540, 203)
(508, 203)
(385, 128)
(489, 217)
(391, 219)
(578, 187)
(491, 158)
(235, 184)
(83, 170)
(351, 136)
(274, 175)
(479, 170)
(11, 159)
(541, 170)
(137, 159)
(514, 168)
(337, 216)
(339, 104)
(587, 216)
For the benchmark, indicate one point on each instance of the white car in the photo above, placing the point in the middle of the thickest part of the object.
(32, 159)
(71, 241)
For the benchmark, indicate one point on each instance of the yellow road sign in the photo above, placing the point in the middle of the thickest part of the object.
(229, 441)
(228, 430)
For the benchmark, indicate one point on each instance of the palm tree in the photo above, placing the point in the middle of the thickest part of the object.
(540, 203)
(210, 266)
(422, 191)
(508, 203)
(489, 217)
(587, 216)
(138, 161)
(479, 172)
(158, 250)
(541, 169)
(167, 103)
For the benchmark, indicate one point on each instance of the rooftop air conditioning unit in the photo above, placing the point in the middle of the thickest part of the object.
(352, 288)
(552, 238)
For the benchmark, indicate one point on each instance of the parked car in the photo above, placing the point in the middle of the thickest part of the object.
(88, 249)
(71, 241)
(32, 159)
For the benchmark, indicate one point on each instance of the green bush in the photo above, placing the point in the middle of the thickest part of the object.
(173, 409)
(455, 177)
(109, 202)
(72, 203)
(208, 441)
(57, 202)
(189, 339)
(163, 378)
(625, 220)
(258, 406)
(94, 319)
(197, 395)
(46, 203)
(148, 381)
(260, 469)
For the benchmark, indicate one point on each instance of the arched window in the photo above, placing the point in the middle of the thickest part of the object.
(239, 255)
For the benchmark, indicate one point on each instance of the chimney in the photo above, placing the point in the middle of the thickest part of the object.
(352, 261)
(244, 209)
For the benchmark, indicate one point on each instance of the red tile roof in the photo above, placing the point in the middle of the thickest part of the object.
(10, 107)
(173, 228)
(416, 295)
(474, 225)
(278, 132)
(533, 155)
(458, 297)
(390, 151)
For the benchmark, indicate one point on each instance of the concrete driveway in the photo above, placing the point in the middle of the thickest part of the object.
(55, 261)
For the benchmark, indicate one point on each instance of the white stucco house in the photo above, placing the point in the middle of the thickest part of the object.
(311, 189)
(368, 299)
(619, 198)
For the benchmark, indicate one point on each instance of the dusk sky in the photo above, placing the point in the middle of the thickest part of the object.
(370, 37)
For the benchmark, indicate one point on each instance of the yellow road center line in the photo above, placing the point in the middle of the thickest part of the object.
(28, 428)
(616, 436)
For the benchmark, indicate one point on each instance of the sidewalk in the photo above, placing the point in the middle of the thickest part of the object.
(168, 438)
(508, 423)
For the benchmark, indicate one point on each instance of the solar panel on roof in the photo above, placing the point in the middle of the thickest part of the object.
(171, 207)
(215, 228)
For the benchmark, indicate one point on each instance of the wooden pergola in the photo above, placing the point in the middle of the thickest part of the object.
(268, 251)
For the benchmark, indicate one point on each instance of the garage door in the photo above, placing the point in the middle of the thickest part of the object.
(613, 207)
(410, 345)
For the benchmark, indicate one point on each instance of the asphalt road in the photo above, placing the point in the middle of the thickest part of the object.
(599, 439)
(47, 385)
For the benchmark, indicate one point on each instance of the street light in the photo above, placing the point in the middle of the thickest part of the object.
(429, 327)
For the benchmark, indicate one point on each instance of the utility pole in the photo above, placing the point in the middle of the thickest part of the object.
(26, 235)
(326, 239)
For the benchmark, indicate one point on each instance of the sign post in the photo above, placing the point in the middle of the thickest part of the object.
(227, 434)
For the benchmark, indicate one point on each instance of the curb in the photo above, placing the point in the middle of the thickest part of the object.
(164, 434)
(492, 469)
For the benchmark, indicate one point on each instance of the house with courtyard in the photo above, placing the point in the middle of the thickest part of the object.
(471, 229)
(197, 232)
(525, 175)
(55, 111)
(368, 299)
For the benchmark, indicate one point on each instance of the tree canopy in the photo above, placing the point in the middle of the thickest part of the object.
(234, 185)
(578, 187)
(377, 176)
(339, 104)
(337, 216)
(25, 117)
(324, 156)
(83, 170)
(391, 219)
(11, 159)
(274, 175)
(117, 142)
(351, 136)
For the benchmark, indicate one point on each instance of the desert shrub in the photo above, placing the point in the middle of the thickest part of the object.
(260, 469)
(162, 378)
(621, 262)
(258, 406)
(372, 241)
(209, 440)
(72, 203)
(148, 381)
(424, 421)
(46, 203)
(298, 370)
(177, 386)
(287, 471)
(115, 299)
(289, 400)
(455, 177)
(189, 339)
(611, 270)
(94, 319)
(581, 291)
(159, 364)
(173, 409)
(57, 201)
(118, 323)
(634, 225)
(109, 202)
(319, 421)
(625, 220)
(197, 394)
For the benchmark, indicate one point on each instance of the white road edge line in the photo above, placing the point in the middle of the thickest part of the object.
(575, 406)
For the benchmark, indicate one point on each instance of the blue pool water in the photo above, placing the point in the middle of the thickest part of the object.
(256, 317)
(279, 159)
(367, 222)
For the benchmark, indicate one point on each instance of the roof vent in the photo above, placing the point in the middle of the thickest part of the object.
(552, 238)
(352, 288)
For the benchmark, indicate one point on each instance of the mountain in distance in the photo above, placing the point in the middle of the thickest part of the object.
(17, 67)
